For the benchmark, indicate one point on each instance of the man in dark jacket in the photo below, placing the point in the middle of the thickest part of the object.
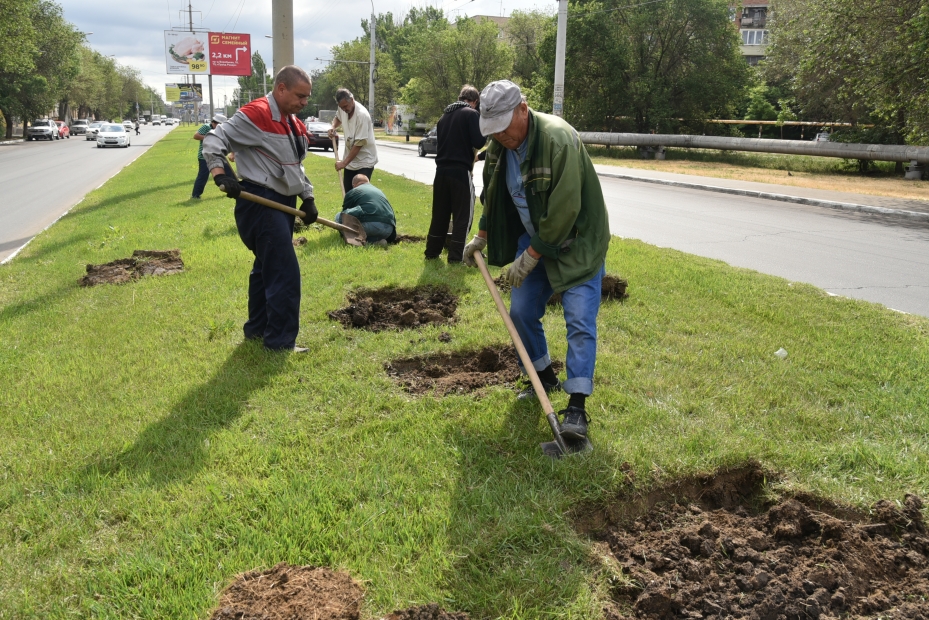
(458, 135)
(544, 212)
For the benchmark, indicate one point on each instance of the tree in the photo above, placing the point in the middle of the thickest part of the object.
(855, 62)
(253, 86)
(652, 64)
(443, 60)
(524, 32)
(350, 70)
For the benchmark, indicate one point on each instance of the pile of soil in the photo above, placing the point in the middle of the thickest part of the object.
(142, 263)
(286, 592)
(427, 612)
(613, 287)
(397, 308)
(462, 372)
(299, 241)
(713, 553)
(410, 239)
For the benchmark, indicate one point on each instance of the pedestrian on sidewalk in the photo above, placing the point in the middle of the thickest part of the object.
(458, 136)
(360, 153)
(544, 212)
(270, 144)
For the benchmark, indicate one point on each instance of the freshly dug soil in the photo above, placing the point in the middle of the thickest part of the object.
(427, 612)
(299, 241)
(410, 239)
(462, 372)
(397, 308)
(142, 263)
(613, 287)
(291, 592)
(709, 550)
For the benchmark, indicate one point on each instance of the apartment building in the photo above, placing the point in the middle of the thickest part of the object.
(751, 20)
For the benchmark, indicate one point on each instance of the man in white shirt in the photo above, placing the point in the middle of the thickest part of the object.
(360, 151)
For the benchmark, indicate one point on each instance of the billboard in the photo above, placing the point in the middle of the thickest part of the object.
(184, 92)
(208, 53)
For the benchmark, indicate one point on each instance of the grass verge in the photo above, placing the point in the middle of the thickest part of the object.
(149, 455)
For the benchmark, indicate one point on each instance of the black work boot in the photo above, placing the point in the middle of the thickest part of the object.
(574, 424)
(529, 392)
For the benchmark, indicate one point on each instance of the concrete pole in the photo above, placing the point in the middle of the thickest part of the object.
(210, 81)
(560, 42)
(371, 30)
(282, 29)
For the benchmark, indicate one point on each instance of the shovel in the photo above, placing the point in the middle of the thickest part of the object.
(559, 447)
(352, 236)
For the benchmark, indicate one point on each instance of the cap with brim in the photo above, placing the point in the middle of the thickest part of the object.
(498, 100)
(219, 118)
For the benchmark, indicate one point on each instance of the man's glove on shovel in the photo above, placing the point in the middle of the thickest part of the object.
(228, 184)
(309, 207)
(477, 245)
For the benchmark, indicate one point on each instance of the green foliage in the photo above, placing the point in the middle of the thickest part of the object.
(759, 108)
(253, 86)
(525, 31)
(17, 37)
(353, 75)
(652, 63)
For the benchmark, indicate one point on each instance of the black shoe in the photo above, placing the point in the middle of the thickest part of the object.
(529, 392)
(574, 424)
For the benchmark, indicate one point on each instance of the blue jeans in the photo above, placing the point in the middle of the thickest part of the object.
(203, 175)
(581, 304)
(374, 230)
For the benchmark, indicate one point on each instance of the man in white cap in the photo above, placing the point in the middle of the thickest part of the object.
(544, 212)
(203, 174)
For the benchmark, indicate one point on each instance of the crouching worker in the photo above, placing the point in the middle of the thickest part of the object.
(370, 206)
(270, 144)
(545, 216)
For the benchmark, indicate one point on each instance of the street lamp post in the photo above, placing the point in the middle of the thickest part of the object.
(371, 31)
(560, 40)
(282, 27)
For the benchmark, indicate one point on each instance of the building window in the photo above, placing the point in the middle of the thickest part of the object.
(754, 37)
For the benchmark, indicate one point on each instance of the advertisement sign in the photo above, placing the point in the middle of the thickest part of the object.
(208, 53)
(184, 92)
(230, 53)
(400, 120)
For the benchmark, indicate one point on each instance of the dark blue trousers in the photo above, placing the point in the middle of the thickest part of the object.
(203, 175)
(274, 283)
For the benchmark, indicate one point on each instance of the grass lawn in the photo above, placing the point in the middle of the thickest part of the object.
(812, 172)
(149, 455)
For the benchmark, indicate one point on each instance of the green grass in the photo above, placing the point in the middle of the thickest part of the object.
(149, 455)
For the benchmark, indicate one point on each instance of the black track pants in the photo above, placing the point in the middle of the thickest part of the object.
(452, 200)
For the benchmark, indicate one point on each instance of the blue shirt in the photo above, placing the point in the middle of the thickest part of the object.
(514, 183)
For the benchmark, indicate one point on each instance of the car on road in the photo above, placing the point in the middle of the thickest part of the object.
(156, 120)
(79, 127)
(127, 124)
(63, 130)
(170, 121)
(43, 128)
(91, 132)
(820, 137)
(111, 134)
(317, 135)
(429, 144)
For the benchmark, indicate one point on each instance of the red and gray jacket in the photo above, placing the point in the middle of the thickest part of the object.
(269, 150)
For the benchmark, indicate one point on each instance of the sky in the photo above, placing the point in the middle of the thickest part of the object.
(133, 32)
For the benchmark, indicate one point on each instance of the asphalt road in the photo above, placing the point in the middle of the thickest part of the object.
(876, 258)
(41, 180)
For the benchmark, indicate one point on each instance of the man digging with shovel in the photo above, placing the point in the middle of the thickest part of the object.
(270, 145)
(545, 209)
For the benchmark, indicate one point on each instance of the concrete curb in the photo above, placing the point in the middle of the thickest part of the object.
(814, 202)
(11, 141)
(394, 145)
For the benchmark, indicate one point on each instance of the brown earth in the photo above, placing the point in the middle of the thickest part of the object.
(710, 547)
(299, 241)
(461, 372)
(142, 263)
(291, 593)
(397, 308)
(427, 612)
(410, 239)
(614, 287)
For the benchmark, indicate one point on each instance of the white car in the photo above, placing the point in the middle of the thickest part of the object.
(156, 120)
(128, 125)
(111, 134)
(171, 121)
(43, 129)
(92, 129)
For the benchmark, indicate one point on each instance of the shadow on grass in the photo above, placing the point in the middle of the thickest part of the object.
(145, 193)
(176, 447)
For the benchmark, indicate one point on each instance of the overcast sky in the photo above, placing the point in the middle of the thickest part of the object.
(133, 32)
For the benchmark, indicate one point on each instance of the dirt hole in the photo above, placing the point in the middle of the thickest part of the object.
(410, 239)
(397, 308)
(614, 288)
(461, 372)
(286, 592)
(142, 263)
(712, 547)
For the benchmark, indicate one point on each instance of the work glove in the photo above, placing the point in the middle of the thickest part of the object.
(477, 244)
(521, 267)
(228, 184)
(309, 207)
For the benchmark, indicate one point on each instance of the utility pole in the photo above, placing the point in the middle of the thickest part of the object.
(282, 29)
(560, 40)
(371, 31)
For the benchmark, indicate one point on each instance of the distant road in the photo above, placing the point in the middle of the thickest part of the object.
(877, 258)
(39, 181)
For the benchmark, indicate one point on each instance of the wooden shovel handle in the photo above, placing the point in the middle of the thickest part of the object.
(276, 205)
(523, 354)
(335, 152)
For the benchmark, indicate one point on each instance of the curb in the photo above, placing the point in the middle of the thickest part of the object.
(813, 202)
(394, 145)
(11, 141)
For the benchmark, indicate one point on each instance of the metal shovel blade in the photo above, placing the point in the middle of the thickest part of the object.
(357, 237)
(574, 446)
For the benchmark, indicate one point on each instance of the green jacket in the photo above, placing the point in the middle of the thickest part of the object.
(369, 204)
(565, 203)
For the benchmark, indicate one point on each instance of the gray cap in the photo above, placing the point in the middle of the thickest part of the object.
(498, 100)
(219, 118)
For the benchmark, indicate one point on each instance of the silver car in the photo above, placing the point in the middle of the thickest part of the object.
(92, 129)
(43, 129)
